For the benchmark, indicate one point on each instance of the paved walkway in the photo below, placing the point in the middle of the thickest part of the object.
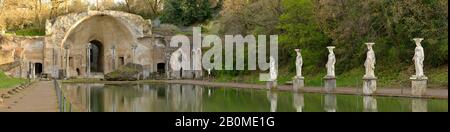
(39, 97)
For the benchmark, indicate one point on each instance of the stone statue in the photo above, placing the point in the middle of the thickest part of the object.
(331, 62)
(299, 63)
(419, 57)
(273, 69)
(370, 62)
(197, 57)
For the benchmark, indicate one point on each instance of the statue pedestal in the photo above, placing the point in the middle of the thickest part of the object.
(419, 86)
(298, 83)
(198, 74)
(330, 84)
(369, 85)
(272, 84)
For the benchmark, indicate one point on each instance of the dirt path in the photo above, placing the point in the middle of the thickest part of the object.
(39, 97)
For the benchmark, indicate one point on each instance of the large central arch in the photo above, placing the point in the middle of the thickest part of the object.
(91, 41)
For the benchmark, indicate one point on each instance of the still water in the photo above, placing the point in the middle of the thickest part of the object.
(193, 98)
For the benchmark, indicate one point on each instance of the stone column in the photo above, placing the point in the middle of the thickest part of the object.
(369, 79)
(113, 57)
(299, 80)
(197, 63)
(133, 48)
(419, 81)
(67, 48)
(88, 63)
(330, 78)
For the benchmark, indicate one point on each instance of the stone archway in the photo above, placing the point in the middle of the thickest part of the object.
(91, 41)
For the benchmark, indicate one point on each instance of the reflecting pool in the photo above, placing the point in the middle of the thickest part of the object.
(194, 98)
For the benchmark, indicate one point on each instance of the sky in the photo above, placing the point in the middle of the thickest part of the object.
(92, 2)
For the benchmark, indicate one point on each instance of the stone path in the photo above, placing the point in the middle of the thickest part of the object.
(39, 97)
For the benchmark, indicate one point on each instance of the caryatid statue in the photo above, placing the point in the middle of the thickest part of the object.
(197, 57)
(273, 69)
(331, 62)
(299, 63)
(370, 62)
(419, 57)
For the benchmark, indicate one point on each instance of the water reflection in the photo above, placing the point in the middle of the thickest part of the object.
(194, 98)
(299, 101)
(419, 105)
(273, 98)
(370, 104)
(330, 103)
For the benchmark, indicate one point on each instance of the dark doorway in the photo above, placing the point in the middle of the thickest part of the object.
(121, 61)
(96, 56)
(38, 69)
(161, 68)
(78, 72)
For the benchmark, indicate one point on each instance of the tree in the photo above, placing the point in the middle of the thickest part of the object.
(186, 12)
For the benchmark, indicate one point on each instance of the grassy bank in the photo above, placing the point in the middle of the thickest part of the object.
(388, 78)
(8, 82)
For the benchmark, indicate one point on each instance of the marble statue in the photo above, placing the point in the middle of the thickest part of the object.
(370, 62)
(273, 69)
(419, 57)
(299, 63)
(209, 72)
(331, 62)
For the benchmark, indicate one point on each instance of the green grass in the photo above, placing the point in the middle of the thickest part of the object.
(9, 82)
(29, 32)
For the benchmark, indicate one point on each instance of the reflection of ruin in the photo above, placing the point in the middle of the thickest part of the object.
(419, 105)
(370, 104)
(299, 101)
(142, 98)
(330, 103)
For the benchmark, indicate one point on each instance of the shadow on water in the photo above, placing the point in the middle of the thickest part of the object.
(194, 98)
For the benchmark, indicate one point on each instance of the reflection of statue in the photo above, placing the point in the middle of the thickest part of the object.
(419, 105)
(273, 98)
(370, 104)
(273, 69)
(299, 101)
(370, 62)
(299, 63)
(331, 62)
(419, 57)
(330, 103)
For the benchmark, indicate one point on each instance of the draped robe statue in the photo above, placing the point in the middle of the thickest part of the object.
(370, 62)
(419, 57)
(331, 62)
(299, 63)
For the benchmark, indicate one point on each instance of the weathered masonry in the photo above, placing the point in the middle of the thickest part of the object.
(88, 45)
